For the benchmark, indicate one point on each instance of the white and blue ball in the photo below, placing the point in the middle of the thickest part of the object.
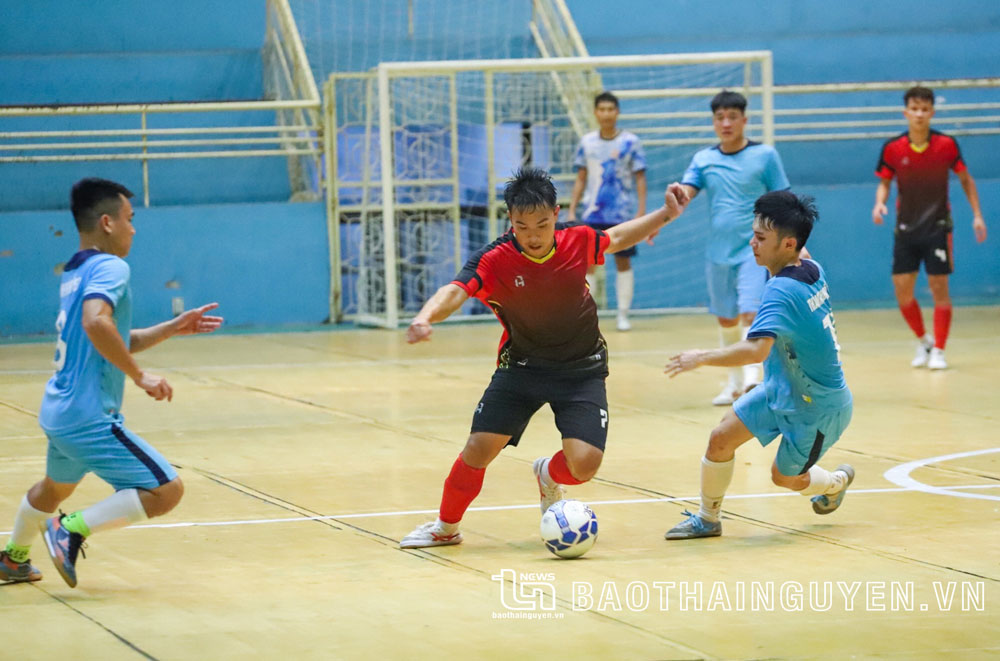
(569, 528)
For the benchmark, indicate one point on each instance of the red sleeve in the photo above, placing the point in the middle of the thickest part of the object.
(883, 170)
(597, 242)
(958, 165)
(474, 278)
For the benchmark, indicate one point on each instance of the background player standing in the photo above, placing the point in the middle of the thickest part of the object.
(81, 408)
(551, 351)
(920, 160)
(734, 173)
(804, 397)
(611, 177)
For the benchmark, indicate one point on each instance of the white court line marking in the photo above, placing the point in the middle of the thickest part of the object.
(901, 475)
(498, 508)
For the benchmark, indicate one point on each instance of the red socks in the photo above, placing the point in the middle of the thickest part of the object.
(911, 312)
(462, 486)
(942, 324)
(559, 471)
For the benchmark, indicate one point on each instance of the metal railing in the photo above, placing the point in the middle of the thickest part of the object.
(294, 134)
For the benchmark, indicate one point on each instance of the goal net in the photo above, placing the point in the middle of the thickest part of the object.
(453, 131)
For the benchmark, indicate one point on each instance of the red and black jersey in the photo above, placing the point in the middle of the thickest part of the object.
(548, 314)
(922, 206)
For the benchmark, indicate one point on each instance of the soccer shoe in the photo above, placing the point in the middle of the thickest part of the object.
(63, 547)
(694, 526)
(17, 572)
(623, 324)
(922, 356)
(824, 504)
(549, 495)
(727, 396)
(430, 534)
(935, 361)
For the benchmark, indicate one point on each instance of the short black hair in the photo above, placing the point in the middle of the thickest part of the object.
(727, 99)
(920, 93)
(529, 189)
(788, 214)
(607, 97)
(91, 198)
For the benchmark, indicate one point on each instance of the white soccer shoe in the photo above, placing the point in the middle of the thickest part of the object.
(727, 396)
(936, 361)
(923, 353)
(623, 324)
(432, 533)
(549, 494)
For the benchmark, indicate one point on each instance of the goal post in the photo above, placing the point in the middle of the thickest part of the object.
(452, 132)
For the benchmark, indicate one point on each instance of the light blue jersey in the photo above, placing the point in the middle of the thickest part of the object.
(610, 196)
(733, 183)
(86, 388)
(802, 373)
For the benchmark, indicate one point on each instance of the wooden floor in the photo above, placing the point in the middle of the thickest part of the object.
(307, 456)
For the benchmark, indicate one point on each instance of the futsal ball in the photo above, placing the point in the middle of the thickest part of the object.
(569, 528)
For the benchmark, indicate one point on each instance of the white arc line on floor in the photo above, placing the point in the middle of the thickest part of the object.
(901, 475)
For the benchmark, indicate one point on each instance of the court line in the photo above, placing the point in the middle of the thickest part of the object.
(500, 508)
(405, 362)
(901, 475)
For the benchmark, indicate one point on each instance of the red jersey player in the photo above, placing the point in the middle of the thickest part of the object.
(551, 351)
(920, 160)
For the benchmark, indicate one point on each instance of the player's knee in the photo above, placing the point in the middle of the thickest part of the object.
(786, 481)
(584, 465)
(718, 444)
(166, 498)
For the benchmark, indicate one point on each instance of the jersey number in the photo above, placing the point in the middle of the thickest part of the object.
(60, 358)
(828, 322)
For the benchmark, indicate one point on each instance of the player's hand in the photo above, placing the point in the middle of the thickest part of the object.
(683, 362)
(419, 331)
(879, 213)
(196, 321)
(979, 227)
(155, 386)
(676, 199)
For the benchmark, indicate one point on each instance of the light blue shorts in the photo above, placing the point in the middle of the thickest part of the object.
(734, 289)
(803, 440)
(109, 450)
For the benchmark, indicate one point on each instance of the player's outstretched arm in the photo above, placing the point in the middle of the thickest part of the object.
(879, 211)
(440, 306)
(189, 322)
(969, 186)
(627, 234)
(747, 352)
(100, 328)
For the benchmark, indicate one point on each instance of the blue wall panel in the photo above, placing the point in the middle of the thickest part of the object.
(266, 264)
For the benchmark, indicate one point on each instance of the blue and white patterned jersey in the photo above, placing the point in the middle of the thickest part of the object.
(86, 388)
(610, 196)
(802, 373)
(733, 183)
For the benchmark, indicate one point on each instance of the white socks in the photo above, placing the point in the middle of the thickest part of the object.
(624, 288)
(728, 336)
(822, 481)
(123, 508)
(592, 284)
(26, 523)
(715, 479)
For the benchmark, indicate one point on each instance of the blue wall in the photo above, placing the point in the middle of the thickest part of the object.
(266, 264)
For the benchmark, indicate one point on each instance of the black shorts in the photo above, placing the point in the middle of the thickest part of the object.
(580, 404)
(934, 251)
